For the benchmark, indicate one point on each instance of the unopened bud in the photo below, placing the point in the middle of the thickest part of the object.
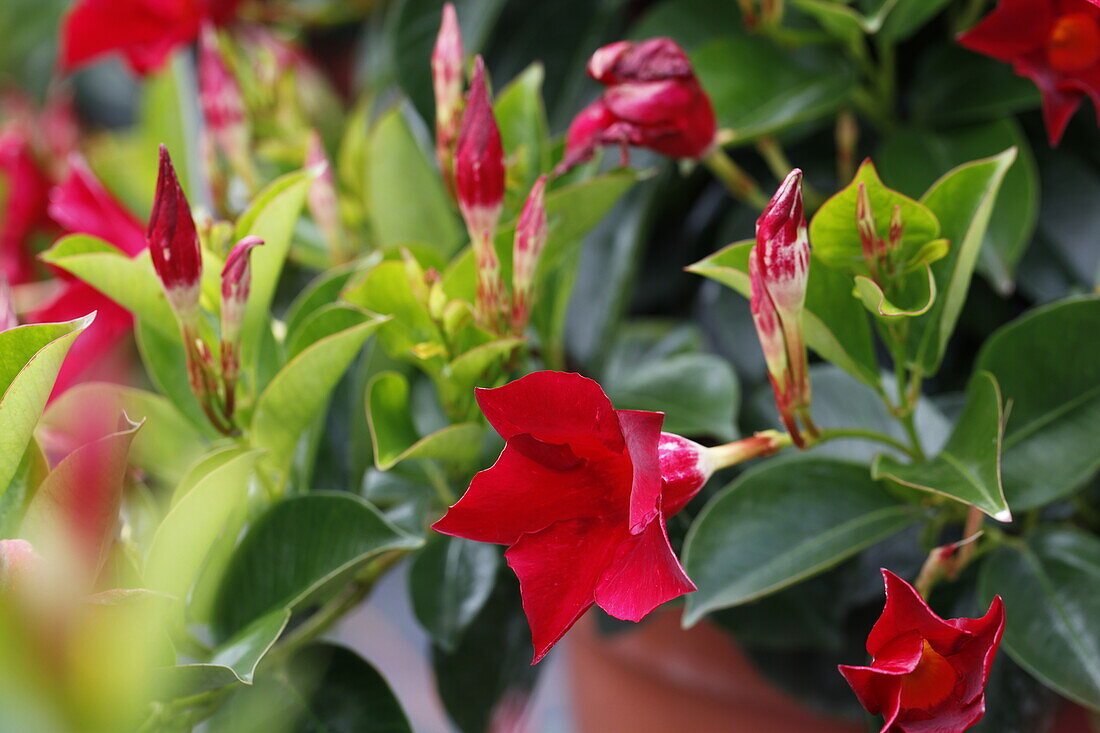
(769, 331)
(223, 106)
(897, 228)
(174, 242)
(685, 468)
(236, 285)
(531, 233)
(8, 319)
(324, 205)
(447, 78)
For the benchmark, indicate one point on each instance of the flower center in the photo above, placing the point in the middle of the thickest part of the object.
(930, 683)
(1074, 43)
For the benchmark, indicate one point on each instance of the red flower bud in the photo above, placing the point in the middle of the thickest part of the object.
(236, 284)
(1054, 43)
(447, 81)
(174, 242)
(579, 494)
(926, 673)
(8, 318)
(529, 241)
(479, 181)
(652, 100)
(222, 105)
(685, 467)
(778, 274)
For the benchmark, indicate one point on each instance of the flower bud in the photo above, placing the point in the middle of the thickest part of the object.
(531, 231)
(447, 78)
(770, 333)
(479, 182)
(897, 228)
(324, 205)
(236, 284)
(223, 107)
(174, 242)
(869, 241)
(685, 467)
(8, 319)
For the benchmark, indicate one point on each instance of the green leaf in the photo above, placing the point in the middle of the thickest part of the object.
(963, 201)
(969, 466)
(300, 551)
(1051, 377)
(782, 523)
(875, 301)
(834, 322)
(912, 159)
(406, 199)
(323, 290)
(299, 392)
(164, 448)
(838, 20)
(235, 661)
(786, 87)
(385, 289)
(1050, 584)
(76, 508)
(449, 582)
(271, 217)
(524, 130)
(196, 521)
(326, 321)
(955, 86)
(396, 439)
(30, 357)
(835, 236)
(906, 18)
(456, 384)
(130, 282)
(29, 475)
(166, 365)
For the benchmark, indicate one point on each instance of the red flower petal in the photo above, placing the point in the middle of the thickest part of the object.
(559, 408)
(906, 611)
(80, 204)
(642, 433)
(25, 209)
(1014, 28)
(558, 570)
(644, 574)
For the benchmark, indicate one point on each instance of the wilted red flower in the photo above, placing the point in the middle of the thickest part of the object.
(1055, 43)
(652, 100)
(778, 271)
(580, 496)
(174, 241)
(927, 673)
(145, 32)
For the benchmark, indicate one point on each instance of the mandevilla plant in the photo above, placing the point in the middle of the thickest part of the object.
(329, 320)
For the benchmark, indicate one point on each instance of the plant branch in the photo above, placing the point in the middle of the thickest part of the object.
(740, 184)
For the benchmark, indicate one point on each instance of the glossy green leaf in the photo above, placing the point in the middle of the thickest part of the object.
(30, 357)
(449, 582)
(385, 290)
(1050, 584)
(298, 552)
(131, 282)
(189, 530)
(323, 290)
(921, 297)
(834, 322)
(781, 523)
(907, 16)
(835, 236)
(396, 439)
(1050, 373)
(299, 392)
(963, 201)
(164, 448)
(969, 466)
(786, 87)
(689, 22)
(524, 130)
(328, 320)
(955, 86)
(271, 217)
(912, 159)
(475, 368)
(406, 199)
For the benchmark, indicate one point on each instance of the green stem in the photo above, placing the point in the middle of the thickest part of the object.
(837, 433)
(915, 450)
(780, 166)
(740, 184)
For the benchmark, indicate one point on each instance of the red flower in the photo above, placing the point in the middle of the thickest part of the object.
(81, 205)
(579, 495)
(1055, 43)
(145, 32)
(24, 212)
(928, 674)
(652, 100)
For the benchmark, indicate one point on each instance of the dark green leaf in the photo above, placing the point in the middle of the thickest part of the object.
(956, 86)
(449, 582)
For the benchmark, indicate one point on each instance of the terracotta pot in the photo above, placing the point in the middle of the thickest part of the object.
(661, 678)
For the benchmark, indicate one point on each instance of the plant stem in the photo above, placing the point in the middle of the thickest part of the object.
(740, 184)
(837, 433)
(915, 449)
(974, 521)
(780, 166)
(764, 443)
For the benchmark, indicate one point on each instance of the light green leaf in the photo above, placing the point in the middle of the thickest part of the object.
(524, 130)
(30, 358)
(969, 466)
(875, 301)
(782, 523)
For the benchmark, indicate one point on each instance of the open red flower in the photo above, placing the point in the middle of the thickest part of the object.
(652, 100)
(928, 674)
(579, 495)
(24, 211)
(145, 32)
(1055, 43)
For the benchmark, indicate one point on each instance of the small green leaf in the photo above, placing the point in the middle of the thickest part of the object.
(835, 325)
(406, 199)
(449, 582)
(299, 552)
(299, 392)
(30, 358)
(922, 296)
(396, 439)
(1050, 584)
(1051, 376)
(969, 466)
(782, 523)
(385, 289)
